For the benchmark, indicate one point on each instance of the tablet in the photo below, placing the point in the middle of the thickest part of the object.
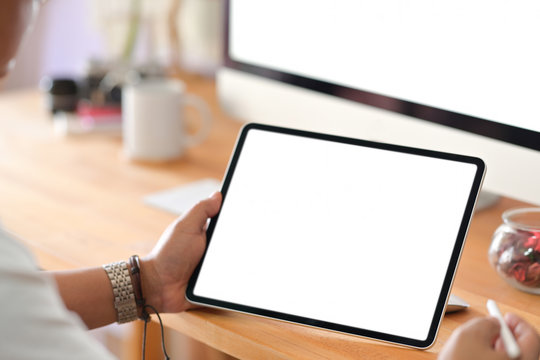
(338, 233)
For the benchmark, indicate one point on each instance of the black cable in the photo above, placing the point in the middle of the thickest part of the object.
(146, 318)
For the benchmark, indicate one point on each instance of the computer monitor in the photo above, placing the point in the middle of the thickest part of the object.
(456, 76)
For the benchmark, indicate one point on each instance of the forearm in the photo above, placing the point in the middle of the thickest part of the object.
(88, 292)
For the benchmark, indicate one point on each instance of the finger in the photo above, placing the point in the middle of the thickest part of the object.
(195, 219)
(525, 334)
(499, 345)
(517, 325)
(513, 320)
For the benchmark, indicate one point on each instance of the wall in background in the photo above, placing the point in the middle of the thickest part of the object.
(68, 33)
(60, 43)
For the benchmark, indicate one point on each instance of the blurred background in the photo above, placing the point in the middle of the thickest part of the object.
(72, 38)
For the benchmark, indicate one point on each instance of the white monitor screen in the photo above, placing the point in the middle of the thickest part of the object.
(477, 58)
(338, 234)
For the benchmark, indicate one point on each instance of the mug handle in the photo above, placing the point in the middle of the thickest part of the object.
(205, 115)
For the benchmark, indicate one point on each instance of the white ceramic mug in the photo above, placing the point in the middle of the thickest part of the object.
(153, 120)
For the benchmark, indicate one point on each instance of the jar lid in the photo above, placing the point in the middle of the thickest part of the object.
(523, 218)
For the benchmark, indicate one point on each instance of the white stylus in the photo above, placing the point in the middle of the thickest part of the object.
(510, 344)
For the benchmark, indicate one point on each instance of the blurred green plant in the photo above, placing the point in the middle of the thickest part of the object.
(133, 30)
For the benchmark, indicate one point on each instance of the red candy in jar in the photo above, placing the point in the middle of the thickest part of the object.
(515, 249)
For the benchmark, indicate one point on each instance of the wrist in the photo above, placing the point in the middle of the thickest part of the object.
(134, 284)
(150, 283)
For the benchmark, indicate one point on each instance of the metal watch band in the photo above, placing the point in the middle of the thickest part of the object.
(124, 297)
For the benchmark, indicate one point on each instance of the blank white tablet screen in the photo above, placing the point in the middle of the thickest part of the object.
(341, 233)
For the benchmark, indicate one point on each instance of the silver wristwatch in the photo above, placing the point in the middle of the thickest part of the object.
(124, 297)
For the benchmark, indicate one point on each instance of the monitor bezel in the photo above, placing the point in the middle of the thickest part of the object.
(484, 127)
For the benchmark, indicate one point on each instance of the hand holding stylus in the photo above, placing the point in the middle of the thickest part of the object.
(527, 337)
(481, 338)
(508, 339)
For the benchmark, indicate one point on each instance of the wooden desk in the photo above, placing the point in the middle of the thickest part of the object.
(77, 202)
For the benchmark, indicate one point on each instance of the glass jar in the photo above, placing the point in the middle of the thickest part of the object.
(515, 249)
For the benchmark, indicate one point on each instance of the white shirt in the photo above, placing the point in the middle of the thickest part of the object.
(34, 322)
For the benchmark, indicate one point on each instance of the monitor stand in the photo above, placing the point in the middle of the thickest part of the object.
(486, 200)
(455, 303)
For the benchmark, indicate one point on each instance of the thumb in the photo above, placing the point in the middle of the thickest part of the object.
(195, 219)
(484, 329)
(491, 328)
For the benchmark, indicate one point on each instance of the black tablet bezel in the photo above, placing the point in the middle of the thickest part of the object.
(452, 266)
